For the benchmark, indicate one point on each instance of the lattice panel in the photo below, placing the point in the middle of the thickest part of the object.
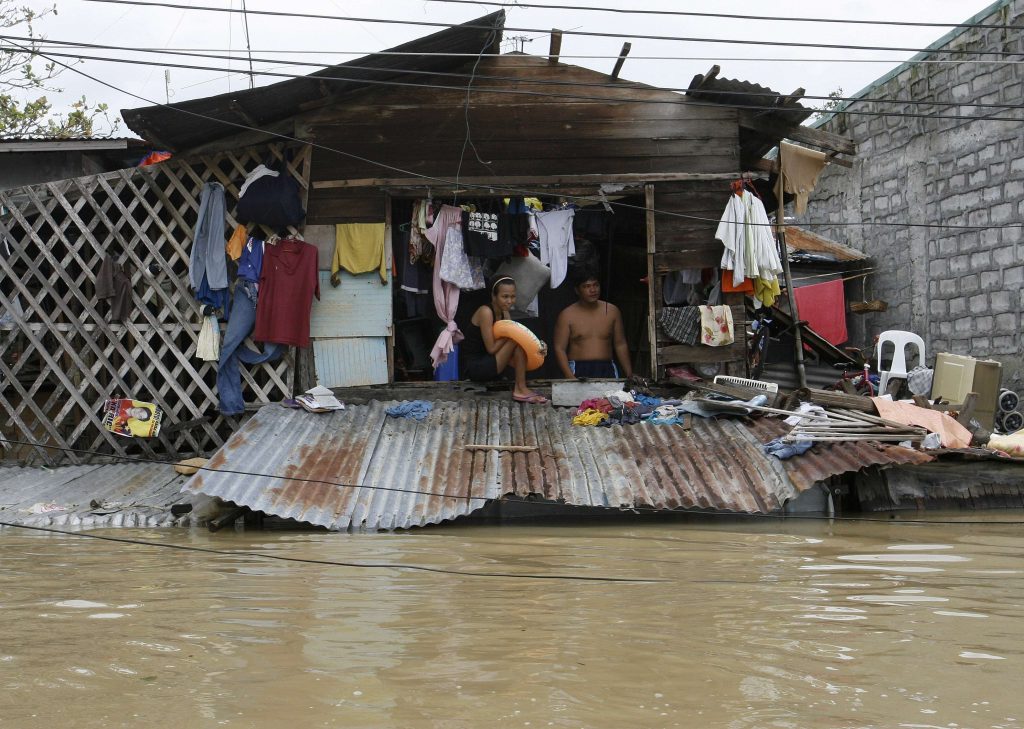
(61, 357)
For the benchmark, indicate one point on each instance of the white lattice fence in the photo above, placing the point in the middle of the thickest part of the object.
(61, 357)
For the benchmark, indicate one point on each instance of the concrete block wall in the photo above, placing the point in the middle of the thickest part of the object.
(958, 287)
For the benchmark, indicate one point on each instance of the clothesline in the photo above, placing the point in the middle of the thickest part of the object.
(866, 272)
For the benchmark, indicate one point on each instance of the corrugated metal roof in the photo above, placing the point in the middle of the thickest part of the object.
(127, 494)
(289, 463)
(197, 121)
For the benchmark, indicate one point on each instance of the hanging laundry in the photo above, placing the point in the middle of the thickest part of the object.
(250, 262)
(258, 171)
(481, 233)
(677, 287)
(272, 200)
(235, 243)
(420, 249)
(358, 248)
(446, 295)
(233, 351)
(682, 323)
(750, 249)
(801, 168)
(208, 344)
(716, 326)
(554, 231)
(288, 283)
(823, 307)
(115, 287)
(456, 267)
(207, 259)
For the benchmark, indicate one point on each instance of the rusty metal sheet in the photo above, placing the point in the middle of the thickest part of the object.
(358, 469)
(126, 494)
(834, 459)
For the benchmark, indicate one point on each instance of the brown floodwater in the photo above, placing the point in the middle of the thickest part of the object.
(750, 623)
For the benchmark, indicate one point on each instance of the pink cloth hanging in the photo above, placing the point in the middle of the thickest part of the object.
(823, 307)
(446, 295)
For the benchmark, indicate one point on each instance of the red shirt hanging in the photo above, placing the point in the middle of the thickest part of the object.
(288, 283)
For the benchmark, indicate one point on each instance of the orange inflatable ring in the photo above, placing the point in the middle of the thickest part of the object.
(527, 341)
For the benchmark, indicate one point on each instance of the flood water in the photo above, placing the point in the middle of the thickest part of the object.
(753, 623)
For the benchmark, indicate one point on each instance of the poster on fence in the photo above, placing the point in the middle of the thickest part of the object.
(132, 418)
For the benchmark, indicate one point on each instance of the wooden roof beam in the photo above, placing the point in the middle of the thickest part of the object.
(622, 59)
(798, 133)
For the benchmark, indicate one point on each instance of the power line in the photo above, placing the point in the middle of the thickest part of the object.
(689, 100)
(713, 222)
(729, 16)
(595, 34)
(281, 62)
(632, 57)
(326, 562)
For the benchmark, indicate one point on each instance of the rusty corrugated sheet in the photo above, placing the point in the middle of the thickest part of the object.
(833, 459)
(125, 494)
(359, 469)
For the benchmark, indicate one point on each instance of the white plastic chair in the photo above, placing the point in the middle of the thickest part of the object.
(898, 368)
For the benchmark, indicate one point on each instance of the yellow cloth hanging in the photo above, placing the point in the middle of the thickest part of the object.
(590, 416)
(358, 248)
(767, 291)
(236, 242)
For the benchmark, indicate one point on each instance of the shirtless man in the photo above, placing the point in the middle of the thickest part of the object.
(588, 334)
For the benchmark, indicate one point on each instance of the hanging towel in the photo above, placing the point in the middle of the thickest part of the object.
(823, 307)
(208, 346)
(358, 248)
(554, 231)
(446, 295)
(800, 170)
(716, 326)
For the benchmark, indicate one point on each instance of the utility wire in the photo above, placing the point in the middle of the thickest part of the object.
(326, 562)
(595, 34)
(731, 16)
(688, 101)
(713, 222)
(446, 54)
(281, 62)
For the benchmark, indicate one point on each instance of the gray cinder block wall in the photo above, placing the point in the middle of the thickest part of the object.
(960, 289)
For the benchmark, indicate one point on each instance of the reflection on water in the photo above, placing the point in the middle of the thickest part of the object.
(730, 624)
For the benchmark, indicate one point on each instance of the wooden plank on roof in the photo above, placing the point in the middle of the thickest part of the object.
(622, 59)
(798, 133)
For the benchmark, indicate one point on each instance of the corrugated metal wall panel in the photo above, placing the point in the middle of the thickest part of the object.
(359, 307)
(351, 362)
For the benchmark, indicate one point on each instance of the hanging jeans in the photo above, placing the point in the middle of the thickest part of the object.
(233, 349)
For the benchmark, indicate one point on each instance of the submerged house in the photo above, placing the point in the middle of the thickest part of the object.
(648, 170)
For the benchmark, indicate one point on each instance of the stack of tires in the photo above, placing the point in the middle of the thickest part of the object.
(1009, 418)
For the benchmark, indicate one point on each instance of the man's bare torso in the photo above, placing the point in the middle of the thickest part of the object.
(591, 331)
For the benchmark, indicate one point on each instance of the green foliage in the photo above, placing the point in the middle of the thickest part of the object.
(835, 100)
(22, 77)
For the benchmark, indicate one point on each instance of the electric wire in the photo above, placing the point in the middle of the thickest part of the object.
(733, 16)
(446, 54)
(281, 62)
(713, 222)
(595, 34)
(687, 101)
(329, 562)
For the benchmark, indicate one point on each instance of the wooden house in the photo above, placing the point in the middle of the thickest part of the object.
(446, 116)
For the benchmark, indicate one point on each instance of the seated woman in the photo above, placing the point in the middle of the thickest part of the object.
(486, 358)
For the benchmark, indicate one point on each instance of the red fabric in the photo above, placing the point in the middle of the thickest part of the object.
(823, 307)
(288, 283)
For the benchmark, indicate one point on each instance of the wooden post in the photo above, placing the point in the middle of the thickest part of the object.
(622, 59)
(780, 223)
(652, 322)
(556, 45)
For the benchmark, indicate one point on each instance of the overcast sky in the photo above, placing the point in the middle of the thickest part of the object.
(326, 40)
